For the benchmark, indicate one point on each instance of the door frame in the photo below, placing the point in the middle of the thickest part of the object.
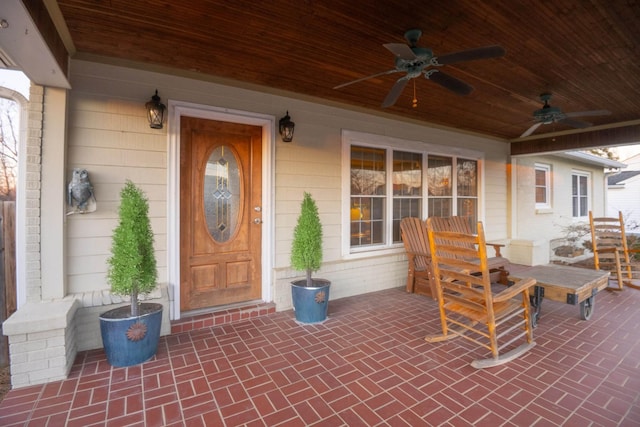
(177, 109)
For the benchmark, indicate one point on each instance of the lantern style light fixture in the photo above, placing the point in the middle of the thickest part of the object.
(286, 128)
(155, 111)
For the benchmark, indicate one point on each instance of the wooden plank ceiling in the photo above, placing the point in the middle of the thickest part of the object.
(585, 52)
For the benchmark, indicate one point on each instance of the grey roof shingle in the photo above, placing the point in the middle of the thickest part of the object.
(621, 176)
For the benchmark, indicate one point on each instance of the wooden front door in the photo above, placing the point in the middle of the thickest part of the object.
(220, 213)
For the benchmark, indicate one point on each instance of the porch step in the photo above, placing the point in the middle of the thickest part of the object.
(222, 317)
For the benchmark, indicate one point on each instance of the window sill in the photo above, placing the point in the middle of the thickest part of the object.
(544, 211)
(374, 253)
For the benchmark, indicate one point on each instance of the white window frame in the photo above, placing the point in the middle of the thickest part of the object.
(391, 144)
(546, 168)
(586, 175)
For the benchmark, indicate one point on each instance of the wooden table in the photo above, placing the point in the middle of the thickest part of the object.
(562, 283)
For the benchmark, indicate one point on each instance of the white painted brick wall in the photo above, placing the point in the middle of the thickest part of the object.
(33, 176)
(42, 342)
(39, 357)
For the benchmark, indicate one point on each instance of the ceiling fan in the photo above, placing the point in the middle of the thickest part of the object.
(415, 61)
(548, 114)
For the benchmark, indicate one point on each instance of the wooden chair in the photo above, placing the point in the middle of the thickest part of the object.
(497, 265)
(468, 306)
(611, 252)
(416, 243)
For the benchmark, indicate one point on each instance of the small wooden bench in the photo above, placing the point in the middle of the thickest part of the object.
(562, 283)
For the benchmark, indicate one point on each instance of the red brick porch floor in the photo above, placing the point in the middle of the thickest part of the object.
(367, 365)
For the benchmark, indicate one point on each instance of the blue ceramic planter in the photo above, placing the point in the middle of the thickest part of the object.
(130, 340)
(310, 304)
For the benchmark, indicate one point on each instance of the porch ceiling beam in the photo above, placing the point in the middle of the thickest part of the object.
(604, 136)
(30, 42)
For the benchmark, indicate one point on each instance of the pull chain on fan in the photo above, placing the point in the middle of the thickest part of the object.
(414, 103)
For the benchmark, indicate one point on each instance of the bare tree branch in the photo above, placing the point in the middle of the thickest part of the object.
(8, 148)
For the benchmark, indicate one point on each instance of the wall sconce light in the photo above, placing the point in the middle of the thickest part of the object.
(155, 111)
(286, 128)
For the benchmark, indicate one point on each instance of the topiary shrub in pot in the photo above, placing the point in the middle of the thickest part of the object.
(130, 334)
(310, 296)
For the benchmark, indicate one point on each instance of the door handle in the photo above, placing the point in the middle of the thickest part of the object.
(257, 221)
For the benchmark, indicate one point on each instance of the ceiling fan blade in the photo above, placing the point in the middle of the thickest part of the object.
(531, 129)
(401, 50)
(471, 55)
(578, 124)
(589, 113)
(366, 78)
(449, 82)
(395, 92)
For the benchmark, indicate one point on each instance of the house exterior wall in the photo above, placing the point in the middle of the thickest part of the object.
(537, 228)
(108, 134)
(625, 197)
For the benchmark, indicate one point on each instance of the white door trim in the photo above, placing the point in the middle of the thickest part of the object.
(178, 109)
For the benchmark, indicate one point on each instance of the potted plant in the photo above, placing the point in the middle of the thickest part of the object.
(310, 296)
(130, 334)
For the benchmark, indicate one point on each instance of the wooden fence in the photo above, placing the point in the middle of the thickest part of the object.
(7, 272)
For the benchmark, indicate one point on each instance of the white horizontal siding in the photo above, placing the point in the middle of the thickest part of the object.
(109, 136)
(627, 201)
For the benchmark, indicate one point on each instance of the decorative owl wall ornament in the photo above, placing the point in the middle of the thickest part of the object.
(80, 194)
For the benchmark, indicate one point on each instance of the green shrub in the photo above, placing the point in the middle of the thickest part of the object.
(132, 265)
(306, 249)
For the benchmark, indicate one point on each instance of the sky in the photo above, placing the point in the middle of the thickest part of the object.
(627, 151)
(15, 80)
(19, 82)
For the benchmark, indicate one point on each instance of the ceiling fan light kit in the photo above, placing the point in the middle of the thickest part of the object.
(415, 61)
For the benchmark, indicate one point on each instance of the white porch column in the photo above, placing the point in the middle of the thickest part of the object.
(53, 194)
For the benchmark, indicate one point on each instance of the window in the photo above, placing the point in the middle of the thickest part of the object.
(407, 188)
(368, 194)
(580, 194)
(442, 196)
(368, 202)
(467, 194)
(439, 173)
(543, 186)
(386, 182)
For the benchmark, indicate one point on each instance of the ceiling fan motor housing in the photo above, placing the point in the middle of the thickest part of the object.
(548, 114)
(414, 67)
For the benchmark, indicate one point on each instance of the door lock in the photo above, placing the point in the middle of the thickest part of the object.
(257, 221)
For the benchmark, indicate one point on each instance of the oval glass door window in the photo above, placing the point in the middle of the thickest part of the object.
(222, 193)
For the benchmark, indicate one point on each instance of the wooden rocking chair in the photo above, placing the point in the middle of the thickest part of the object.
(497, 265)
(611, 252)
(416, 243)
(468, 306)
